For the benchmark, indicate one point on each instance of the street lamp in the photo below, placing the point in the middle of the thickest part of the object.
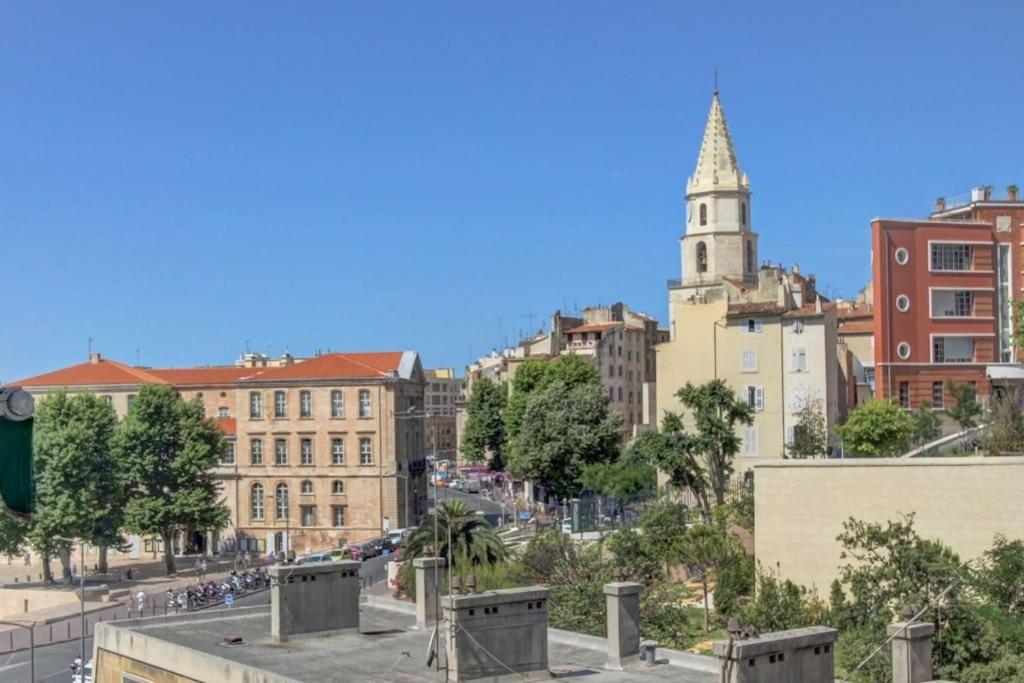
(81, 586)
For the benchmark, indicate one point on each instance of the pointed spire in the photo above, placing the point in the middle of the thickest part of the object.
(717, 168)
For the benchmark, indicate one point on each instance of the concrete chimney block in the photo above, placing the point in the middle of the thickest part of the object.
(427, 597)
(911, 652)
(802, 654)
(623, 617)
(313, 599)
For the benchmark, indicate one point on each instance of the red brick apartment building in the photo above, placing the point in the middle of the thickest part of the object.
(944, 287)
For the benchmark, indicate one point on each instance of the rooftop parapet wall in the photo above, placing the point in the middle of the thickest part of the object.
(803, 654)
(314, 599)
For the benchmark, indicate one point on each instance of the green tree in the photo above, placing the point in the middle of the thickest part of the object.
(927, 425)
(877, 428)
(537, 374)
(779, 605)
(169, 452)
(461, 532)
(675, 453)
(564, 429)
(702, 549)
(810, 432)
(1005, 433)
(716, 411)
(635, 557)
(622, 481)
(485, 427)
(1000, 578)
(78, 485)
(663, 524)
(733, 580)
(965, 410)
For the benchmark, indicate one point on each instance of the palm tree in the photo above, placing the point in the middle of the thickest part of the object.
(472, 537)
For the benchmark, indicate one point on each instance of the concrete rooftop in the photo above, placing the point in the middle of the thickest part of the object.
(387, 647)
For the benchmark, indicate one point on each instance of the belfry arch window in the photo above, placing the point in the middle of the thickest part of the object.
(750, 256)
(743, 213)
(702, 257)
(703, 214)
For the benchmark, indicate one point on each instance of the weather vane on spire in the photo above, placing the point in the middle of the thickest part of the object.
(715, 91)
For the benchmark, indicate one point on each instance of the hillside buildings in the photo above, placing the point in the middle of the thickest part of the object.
(944, 288)
(319, 450)
(763, 329)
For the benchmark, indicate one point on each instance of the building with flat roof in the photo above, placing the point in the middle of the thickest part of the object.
(944, 290)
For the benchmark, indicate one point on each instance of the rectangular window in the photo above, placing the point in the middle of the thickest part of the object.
(952, 350)
(255, 405)
(620, 393)
(337, 516)
(748, 360)
(937, 398)
(1004, 305)
(337, 451)
(799, 359)
(754, 326)
(620, 371)
(364, 403)
(611, 394)
(306, 451)
(755, 398)
(280, 452)
(630, 397)
(221, 412)
(905, 395)
(365, 451)
(952, 303)
(951, 257)
(229, 453)
(280, 404)
(750, 440)
(305, 404)
(308, 515)
(337, 403)
(256, 451)
(611, 370)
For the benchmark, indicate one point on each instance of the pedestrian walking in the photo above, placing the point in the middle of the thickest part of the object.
(202, 569)
(140, 597)
(247, 560)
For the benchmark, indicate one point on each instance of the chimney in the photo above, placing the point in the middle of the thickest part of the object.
(911, 651)
(1011, 192)
(313, 599)
(623, 618)
(429, 573)
(801, 654)
(940, 205)
(95, 358)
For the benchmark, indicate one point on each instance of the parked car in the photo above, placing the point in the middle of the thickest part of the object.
(396, 536)
(472, 486)
(457, 484)
(356, 551)
(313, 558)
(340, 554)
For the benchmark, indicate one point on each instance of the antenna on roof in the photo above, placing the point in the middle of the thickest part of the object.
(715, 91)
(90, 347)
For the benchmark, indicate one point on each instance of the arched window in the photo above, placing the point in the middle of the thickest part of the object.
(750, 256)
(703, 214)
(702, 257)
(281, 499)
(307, 487)
(337, 487)
(256, 501)
(743, 213)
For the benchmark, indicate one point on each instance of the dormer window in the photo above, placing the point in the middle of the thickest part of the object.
(702, 257)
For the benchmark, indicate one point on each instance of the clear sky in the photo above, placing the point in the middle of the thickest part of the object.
(179, 179)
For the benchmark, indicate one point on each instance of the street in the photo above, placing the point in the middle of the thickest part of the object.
(492, 509)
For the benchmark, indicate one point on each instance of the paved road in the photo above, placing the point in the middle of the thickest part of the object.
(492, 509)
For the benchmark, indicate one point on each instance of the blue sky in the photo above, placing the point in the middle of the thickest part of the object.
(179, 180)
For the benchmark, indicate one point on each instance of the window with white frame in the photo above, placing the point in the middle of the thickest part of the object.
(280, 404)
(952, 303)
(365, 408)
(798, 358)
(337, 451)
(255, 405)
(221, 412)
(952, 350)
(755, 397)
(308, 515)
(337, 403)
(337, 487)
(280, 452)
(305, 403)
(754, 326)
(307, 487)
(281, 501)
(256, 451)
(306, 452)
(365, 451)
(946, 256)
(337, 516)
(750, 440)
(748, 360)
(256, 501)
(229, 454)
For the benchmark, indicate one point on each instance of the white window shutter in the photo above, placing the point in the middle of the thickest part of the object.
(759, 398)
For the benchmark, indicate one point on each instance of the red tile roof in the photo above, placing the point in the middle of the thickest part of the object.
(857, 327)
(335, 366)
(809, 310)
(198, 377)
(103, 373)
(755, 308)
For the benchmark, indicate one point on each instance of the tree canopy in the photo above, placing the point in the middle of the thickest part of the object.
(877, 427)
(472, 538)
(484, 432)
(965, 410)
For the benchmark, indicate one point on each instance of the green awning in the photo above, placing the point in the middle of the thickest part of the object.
(16, 485)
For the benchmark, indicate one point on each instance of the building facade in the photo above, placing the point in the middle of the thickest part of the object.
(944, 290)
(320, 450)
(443, 388)
(763, 329)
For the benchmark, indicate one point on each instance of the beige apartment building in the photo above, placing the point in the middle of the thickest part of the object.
(763, 329)
(442, 389)
(320, 450)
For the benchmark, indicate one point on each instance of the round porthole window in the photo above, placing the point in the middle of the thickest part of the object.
(903, 350)
(903, 303)
(902, 256)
